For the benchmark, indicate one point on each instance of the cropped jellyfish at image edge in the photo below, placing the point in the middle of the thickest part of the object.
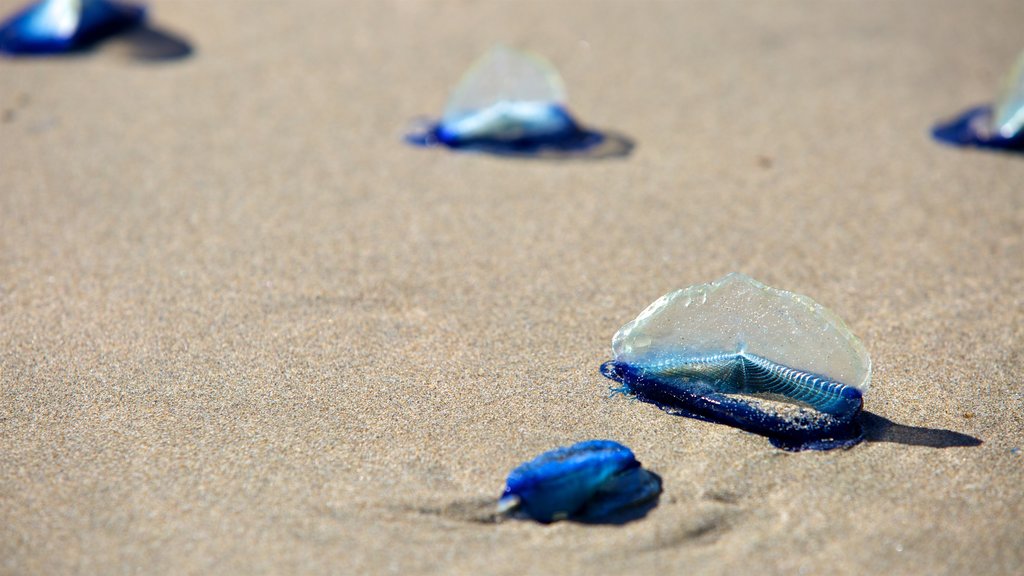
(514, 103)
(62, 26)
(1000, 126)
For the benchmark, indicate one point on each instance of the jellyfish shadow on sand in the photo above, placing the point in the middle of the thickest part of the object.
(148, 43)
(880, 429)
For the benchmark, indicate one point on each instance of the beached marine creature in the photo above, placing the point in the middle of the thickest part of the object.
(741, 353)
(593, 481)
(509, 102)
(54, 26)
(998, 126)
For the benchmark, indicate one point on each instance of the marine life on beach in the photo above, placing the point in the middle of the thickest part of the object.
(592, 481)
(997, 126)
(509, 102)
(55, 26)
(737, 352)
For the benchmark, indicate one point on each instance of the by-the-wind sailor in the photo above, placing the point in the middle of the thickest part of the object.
(508, 102)
(998, 126)
(52, 26)
(593, 481)
(741, 353)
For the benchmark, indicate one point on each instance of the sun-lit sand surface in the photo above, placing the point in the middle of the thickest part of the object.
(245, 329)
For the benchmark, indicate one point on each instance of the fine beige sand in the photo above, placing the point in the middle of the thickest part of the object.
(244, 329)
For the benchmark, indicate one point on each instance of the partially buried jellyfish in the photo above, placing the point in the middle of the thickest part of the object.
(597, 481)
(737, 352)
(55, 26)
(509, 102)
(998, 126)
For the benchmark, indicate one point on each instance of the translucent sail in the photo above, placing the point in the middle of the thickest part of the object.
(504, 76)
(740, 353)
(999, 126)
(507, 97)
(1008, 116)
(738, 314)
(513, 103)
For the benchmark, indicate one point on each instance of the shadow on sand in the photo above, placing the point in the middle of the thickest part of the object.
(149, 43)
(879, 429)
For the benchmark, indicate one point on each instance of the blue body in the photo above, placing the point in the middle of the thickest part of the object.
(27, 32)
(586, 481)
(561, 134)
(962, 131)
(705, 399)
(747, 373)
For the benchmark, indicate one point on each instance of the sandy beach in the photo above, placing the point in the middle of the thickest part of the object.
(245, 329)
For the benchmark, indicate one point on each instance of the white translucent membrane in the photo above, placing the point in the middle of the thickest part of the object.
(502, 77)
(739, 314)
(1008, 119)
(55, 19)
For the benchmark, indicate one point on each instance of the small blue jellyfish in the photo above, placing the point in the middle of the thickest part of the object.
(56, 26)
(737, 352)
(595, 481)
(1000, 126)
(511, 103)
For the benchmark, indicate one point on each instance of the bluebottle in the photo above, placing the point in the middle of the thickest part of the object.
(510, 103)
(1000, 126)
(59, 26)
(595, 481)
(738, 352)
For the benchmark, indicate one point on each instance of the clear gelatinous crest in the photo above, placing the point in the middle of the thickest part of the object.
(1008, 120)
(511, 102)
(52, 26)
(695, 350)
(593, 481)
(504, 76)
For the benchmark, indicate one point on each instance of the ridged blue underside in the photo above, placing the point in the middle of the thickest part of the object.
(745, 373)
(704, 388)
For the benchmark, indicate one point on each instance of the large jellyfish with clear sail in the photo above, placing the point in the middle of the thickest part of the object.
(737, 352)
